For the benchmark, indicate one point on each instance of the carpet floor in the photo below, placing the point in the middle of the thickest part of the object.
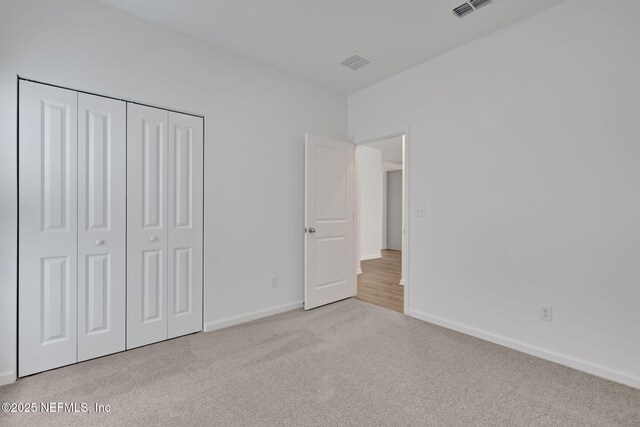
(348, 363)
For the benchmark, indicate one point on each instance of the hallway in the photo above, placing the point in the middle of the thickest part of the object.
(379, 281)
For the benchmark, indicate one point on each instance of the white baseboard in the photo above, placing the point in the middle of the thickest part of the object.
(562, 359)
(7, 377)
(254, 315)
(368, 257)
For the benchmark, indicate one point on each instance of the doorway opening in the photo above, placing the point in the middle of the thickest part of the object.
(381, 214)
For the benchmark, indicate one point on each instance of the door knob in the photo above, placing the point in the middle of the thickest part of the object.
(153, 239)
(99, 242)
(312, 230)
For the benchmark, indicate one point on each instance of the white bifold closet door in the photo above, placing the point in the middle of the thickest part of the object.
(72, 231)
(185, 196)
(164, 217)
(102, 186)
(146, 225)
(110, 226)
(48, 228)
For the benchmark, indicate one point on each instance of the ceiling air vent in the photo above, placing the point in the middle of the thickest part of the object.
(468, 7)
(479, 3)
(356, 61)
(462, 10)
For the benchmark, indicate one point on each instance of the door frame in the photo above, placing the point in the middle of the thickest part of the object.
(405, 209)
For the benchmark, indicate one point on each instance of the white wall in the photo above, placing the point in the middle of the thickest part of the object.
(255, 123)
(394, 210)
(524, 148)
(369, 162)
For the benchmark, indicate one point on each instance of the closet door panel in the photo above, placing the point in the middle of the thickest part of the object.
(101, 226)
(185, 200)
(146, 225)
(47, 256)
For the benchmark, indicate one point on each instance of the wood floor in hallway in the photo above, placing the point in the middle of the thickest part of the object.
(379, 281)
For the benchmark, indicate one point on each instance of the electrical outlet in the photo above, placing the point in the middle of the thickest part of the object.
(274, 282)
(546, 313)
(419, 210)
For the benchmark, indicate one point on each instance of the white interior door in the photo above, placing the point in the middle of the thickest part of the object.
(330, 273)
(102, 138)
(185, 187)
(47, 258)
(146, 225)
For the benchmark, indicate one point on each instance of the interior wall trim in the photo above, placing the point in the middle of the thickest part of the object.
(7, 377)
(254, 315)
(552, 356)
(372, 256)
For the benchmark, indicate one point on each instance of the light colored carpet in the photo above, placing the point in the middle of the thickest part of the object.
(349, 363)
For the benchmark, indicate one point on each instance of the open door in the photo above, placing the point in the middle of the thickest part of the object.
(330, 273)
